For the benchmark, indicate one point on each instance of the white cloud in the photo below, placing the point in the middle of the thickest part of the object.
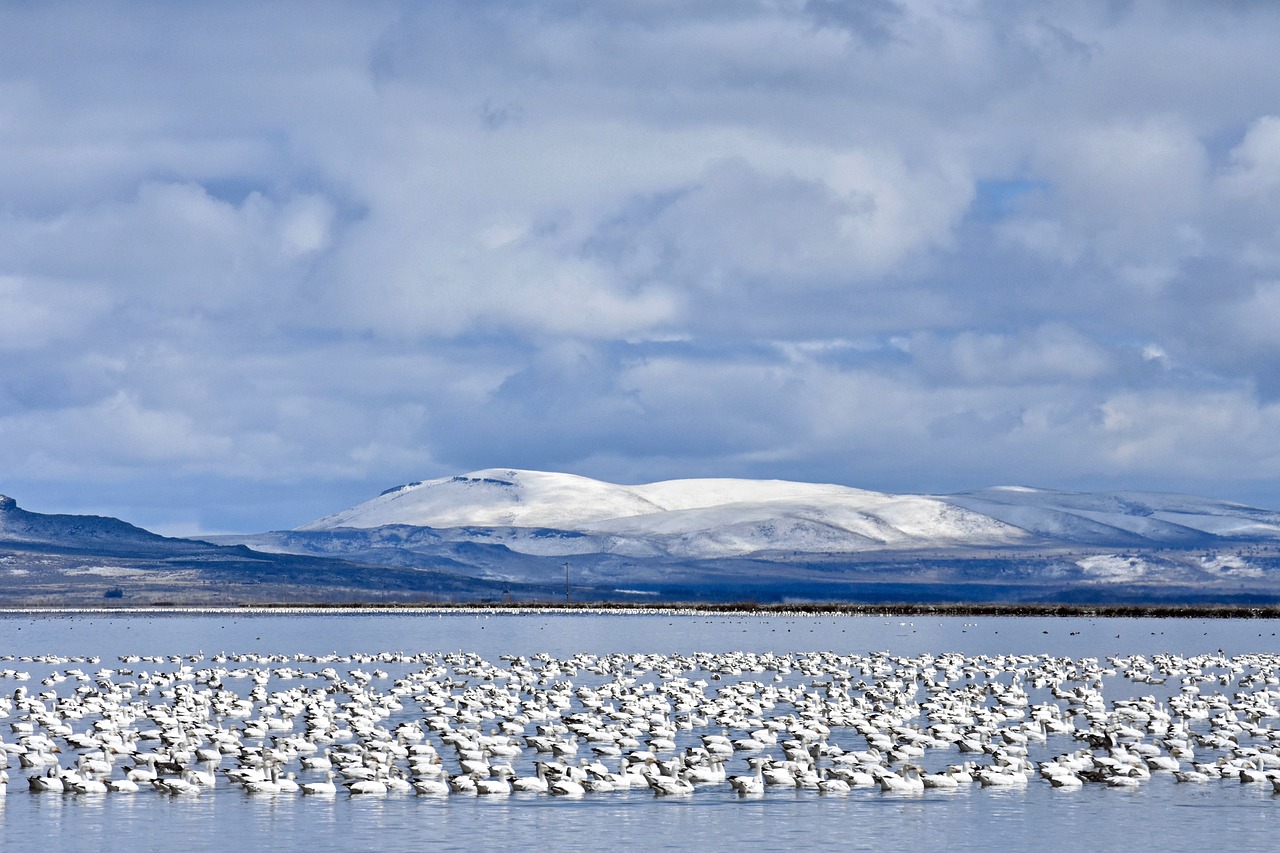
(38, 314)
(1255, 162)
(1048, 354)
(117, 431)
(1131, 187)
(920, 245)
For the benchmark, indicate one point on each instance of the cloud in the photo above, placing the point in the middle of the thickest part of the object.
(1255, 161)
(39, 313)
(117, 432)
(1131, 188)
(257, 263)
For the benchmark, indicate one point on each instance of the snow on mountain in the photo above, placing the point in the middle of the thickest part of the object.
(823, 523)
(709, 518)
(685, 518)
(712, 492)
(494, 498)
(1147, 517)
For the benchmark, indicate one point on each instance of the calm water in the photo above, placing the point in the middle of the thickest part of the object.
(1161, 814)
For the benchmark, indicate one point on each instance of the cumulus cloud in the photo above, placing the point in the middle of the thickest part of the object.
(1254, 169)
(257, 263)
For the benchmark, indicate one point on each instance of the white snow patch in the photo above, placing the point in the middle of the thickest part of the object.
(106, 571)
(1230, 565)
(1114, 568)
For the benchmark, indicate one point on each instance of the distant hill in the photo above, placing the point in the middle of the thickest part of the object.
(64, 560)
(91, 533)
(771, 540)
(503, 534)
(706, 519)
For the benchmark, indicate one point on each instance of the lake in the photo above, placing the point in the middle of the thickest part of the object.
(790, 651)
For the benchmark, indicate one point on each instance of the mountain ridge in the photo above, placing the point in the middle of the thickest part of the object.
(541, 537)
(735, 517)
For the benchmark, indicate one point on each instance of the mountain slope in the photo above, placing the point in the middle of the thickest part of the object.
(691, 518)
(703, 519)
(86, 532)
(493, 498)
(1144, 516)
(64, 560)
(538, 536)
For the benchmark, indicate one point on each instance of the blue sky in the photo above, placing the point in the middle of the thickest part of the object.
(260, 261)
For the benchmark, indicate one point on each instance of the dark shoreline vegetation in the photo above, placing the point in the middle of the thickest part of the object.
(740, 608)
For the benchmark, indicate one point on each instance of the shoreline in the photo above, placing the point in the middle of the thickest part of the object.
(1157, 611)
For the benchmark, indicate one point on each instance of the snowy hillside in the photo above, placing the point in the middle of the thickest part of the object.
(529, 535)
(494, 498)
(1148, 517)
(681, 518)
(711, 518)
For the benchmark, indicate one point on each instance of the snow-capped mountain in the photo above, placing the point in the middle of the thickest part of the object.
(527, 535)
(714, 518)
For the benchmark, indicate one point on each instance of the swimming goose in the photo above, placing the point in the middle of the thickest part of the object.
(325, 788)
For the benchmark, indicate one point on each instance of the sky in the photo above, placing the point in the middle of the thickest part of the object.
(261, 261)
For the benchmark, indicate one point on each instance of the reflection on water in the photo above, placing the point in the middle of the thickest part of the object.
(1159, 814)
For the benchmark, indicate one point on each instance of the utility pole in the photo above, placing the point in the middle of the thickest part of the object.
(566, 582)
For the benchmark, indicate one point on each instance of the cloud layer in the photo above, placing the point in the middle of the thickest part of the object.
(257, 264)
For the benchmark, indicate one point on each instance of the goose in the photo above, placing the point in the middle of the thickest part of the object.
(462, 783)
(858, 777)
(176, 786)
(906, 781)
(50, 782)
(750, 784)
(664, 786)
(1123, 781)
(1253, 776)
(536, 784)
(779, 775)
(598, 784)
(317, 762)
(122, 786)
(270, 785)
(1001, 777)
(1128, 740)
(939, 780)
(144, 772)
(89, 784)
(1066, 780)
(705, 774)
(830, 784)
(366, 786)
(633, 772)
(493, 786)
(203, 778)
(565, 787)
(431, 787)
(325, 788)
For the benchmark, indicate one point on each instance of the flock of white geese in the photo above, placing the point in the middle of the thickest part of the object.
(588, 725)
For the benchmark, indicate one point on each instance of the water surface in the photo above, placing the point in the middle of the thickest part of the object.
(1159, 814)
